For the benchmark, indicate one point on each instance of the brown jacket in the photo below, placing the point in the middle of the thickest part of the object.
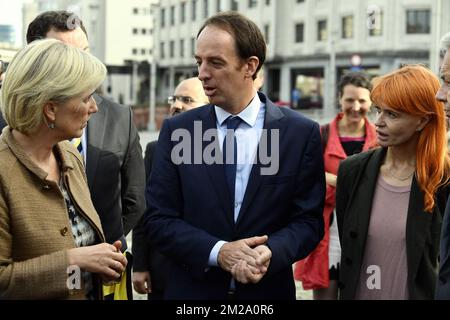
(35, 231)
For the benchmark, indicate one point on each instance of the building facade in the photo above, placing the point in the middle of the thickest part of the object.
(311, 43)
(120, 35)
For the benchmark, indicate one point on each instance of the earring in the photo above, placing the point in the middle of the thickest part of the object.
(51, 125)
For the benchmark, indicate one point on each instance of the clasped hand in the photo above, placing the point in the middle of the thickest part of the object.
(247, 259)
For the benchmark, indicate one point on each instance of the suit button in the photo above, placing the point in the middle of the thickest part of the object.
(353, 234)
(442, 280)
(64, 231)
(348, 261)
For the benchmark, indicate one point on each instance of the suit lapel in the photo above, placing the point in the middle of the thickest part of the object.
(271, 121)
(215, 171)
(96, 133)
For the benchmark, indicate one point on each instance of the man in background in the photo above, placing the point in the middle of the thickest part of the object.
(150, 267)
(443, 95)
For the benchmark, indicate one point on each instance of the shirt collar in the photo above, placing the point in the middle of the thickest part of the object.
(248, 115)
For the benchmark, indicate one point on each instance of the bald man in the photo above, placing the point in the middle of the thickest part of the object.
(149, 266)
(188, 95)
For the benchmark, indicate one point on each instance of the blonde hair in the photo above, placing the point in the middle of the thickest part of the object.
(412, 90)
(46, 71)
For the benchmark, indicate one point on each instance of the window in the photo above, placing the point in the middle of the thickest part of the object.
(376, 24)
(182, 48)
(172, 49)
(183, 12)
(162, 52)
(347, 27)
(252, 3)
(163, 17)
(234, 5)
(218, 5)
(192, 47)
(205, 8)
(267, 2)
(299, 30)
(266, 32)
(143, 51)
(134, 51)
(144, 31)
(322, 30)
(194, 10)
(418, 21)
(300, 1)
(135, 30)
(135, 11)
(172, 15)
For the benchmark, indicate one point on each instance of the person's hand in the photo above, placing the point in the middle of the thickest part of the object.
(232, 252)
(104, 259)
(331, 179)
(142, 283)
(242, 273)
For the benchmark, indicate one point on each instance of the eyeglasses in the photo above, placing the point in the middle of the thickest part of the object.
(183, 99)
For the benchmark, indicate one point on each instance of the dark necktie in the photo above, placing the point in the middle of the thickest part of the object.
(230, 161)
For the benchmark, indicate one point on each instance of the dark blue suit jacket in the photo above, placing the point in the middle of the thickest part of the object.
(443, 284)
(189, 208)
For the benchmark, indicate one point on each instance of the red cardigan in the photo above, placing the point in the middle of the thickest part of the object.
(313, 271)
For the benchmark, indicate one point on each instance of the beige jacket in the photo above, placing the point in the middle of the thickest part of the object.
(35, 231)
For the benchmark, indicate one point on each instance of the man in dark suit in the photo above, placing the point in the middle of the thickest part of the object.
(150, 267)
(2, 122)
(233, 229)
(110, 145)
(443, 95)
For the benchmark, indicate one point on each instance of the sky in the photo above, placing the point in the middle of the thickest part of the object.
(11, 14)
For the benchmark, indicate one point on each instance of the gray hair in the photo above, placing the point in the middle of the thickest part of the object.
(445, 44)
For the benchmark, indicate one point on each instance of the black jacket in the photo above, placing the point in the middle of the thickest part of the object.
(115, 169)
(357, 178)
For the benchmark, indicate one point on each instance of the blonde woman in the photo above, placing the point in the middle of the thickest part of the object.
(50, 235)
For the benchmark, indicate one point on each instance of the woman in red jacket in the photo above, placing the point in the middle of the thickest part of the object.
(349, 133)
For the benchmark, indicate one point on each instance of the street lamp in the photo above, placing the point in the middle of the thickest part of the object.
(152, 95)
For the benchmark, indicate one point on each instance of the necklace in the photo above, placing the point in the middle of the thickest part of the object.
(400, 178)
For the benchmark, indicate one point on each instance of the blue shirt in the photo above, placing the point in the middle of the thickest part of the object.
(247, 135)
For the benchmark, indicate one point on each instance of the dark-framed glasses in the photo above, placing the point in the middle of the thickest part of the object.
(183, 99)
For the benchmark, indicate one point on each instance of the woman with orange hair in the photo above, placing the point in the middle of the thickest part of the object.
(390, 200)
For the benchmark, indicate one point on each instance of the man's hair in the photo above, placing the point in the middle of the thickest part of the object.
(46, 71)
(59, 20)
(358, 79)
(445, 44)
(247, 36)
